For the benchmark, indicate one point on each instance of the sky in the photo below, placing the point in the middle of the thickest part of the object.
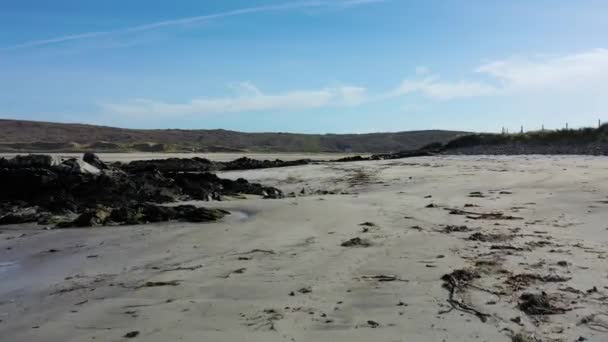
(310, 66)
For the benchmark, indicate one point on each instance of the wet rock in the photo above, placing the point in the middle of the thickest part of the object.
(207, 186)
(170, 165)
(142, 214)
(250, 164)
(352, 159)
(190, 214)
(77, 186)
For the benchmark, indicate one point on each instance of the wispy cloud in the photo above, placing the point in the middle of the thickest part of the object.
(585, 72)
(288, 6)
(248, 98)
(435, 88)
(579, 70)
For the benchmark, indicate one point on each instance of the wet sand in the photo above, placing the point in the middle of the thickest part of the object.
(276, 270)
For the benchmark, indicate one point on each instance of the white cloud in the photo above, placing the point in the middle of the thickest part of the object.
(287, 6)
(248, 99)
(586, 69)
(434, 88)
(583, 73)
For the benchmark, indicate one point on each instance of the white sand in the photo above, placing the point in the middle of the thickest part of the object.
(68, 296)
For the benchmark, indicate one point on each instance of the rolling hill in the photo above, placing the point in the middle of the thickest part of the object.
(33, 136)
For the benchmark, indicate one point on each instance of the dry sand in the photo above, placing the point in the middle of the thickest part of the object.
(275, 270)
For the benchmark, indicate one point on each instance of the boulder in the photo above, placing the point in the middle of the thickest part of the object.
(92, 159)
(74, 165)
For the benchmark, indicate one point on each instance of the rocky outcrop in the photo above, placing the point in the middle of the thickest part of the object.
(142, 214)
(426, 151)
(197, 164)
(82, 187)
(171, 165)
(249, 164)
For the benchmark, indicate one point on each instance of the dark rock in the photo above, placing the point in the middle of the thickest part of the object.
(77, 186)
(30, 160)
(157, 213)
(90, 218)
(131, 334)
(356, 242)
(22, 216)
(171, 165)
(207, 186)
(249, 164)
(373, 324)
(351, 159)
(193, 214)
(127, 215)
(141, 214)
(92, 159)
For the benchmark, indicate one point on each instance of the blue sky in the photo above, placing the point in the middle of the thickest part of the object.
(306, 65)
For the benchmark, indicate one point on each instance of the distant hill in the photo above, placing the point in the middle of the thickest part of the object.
(33, 136)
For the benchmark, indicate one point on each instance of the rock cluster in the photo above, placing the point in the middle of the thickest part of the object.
(40, 188)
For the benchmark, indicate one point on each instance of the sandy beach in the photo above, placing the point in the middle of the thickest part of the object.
(360, 251)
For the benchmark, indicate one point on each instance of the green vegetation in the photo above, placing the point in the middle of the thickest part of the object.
(545, 137)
